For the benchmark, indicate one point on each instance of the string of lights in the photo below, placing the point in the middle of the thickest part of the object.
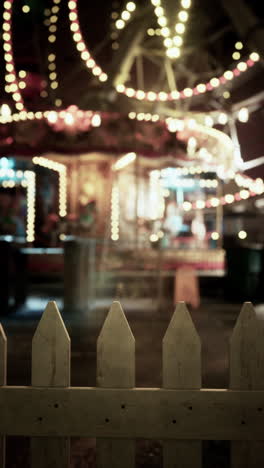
(50, 22)
(31, 197)
(11, 79)
(152, 96)
(80, 44)
(173, 43)
(51, 115)
(62, 171)
(200, 88)
(125, 15)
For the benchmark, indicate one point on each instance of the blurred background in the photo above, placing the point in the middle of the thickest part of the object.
(131, 169)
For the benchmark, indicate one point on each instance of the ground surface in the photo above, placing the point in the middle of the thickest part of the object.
(214, 321)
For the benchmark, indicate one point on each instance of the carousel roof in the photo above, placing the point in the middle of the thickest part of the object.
(78, 76)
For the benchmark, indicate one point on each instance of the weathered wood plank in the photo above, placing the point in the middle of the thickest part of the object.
(115, 368)
(133, 413)
(50, 368)
(246, 373)
(181, 369)
(3, 359)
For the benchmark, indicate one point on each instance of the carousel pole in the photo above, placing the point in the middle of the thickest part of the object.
(219, 215)
(136, 177)
(74, 187)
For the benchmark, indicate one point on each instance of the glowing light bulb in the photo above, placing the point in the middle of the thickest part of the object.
(186, 4)
(120, 24)
(165, 32)
(236, 55)
(243, 115)
(162, 21)
(25, 9)
(180, 28)
(215, 235)
(131, 6)
(173, 52)
(228, 75)
(201, 88)
(96, 120)
(187, 206)
(254, 56)
(177, 40)
(242, 234)
(214, 82)
(242, 66)
(125, 15)
(52, 117)
(183, 16)
(238, 45)
(222, 118)
(5, 110)
(188, 92)
(168, 42)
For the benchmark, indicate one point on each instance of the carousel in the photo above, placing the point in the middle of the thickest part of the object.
(149, 183)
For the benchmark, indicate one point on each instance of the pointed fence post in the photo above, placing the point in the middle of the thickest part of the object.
(247, 373)
(3, 353)
(181, 369)
(115, 368)
(50, 368)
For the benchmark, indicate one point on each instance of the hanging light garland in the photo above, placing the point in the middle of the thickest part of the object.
(80, 44)
(173, 43)
(72, 117)
(50, 22)
(125, 15)
(12, 82)
(152, 96)
(200, 88)
(62, 171)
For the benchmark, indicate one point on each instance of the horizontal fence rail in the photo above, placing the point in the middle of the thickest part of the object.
(132, 413)
(180, 414)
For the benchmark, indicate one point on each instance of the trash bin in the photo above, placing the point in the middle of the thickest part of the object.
(244, 265)
(79, 274)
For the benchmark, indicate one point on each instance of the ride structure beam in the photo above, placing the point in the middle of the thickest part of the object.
(125, 55)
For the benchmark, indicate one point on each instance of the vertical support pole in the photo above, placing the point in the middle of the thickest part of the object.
(74, 187)
(219, 215)
(136, 174)
(3, 358)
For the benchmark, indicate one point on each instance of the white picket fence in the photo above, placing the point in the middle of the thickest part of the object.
(181, 414)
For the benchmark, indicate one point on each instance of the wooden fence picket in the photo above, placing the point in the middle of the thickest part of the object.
(50, 368)
(181, 369)
(116, 369)
(247, 373)
(3, 358)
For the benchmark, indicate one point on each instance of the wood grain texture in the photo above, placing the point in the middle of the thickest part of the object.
(50, 368)
(115, 368)
(181, 369)
(246, 373)
(3, 361)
